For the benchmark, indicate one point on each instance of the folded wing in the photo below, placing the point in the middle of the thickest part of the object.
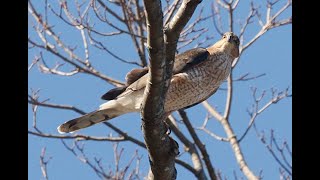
(137, 78)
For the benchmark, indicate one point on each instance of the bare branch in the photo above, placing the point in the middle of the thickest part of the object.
(82, 157)
(44, 163)
(80, 137)
(222, 4)
(100, 46)
(139, 47)
(161, 148)
(233, 142)
(141, 144)
(114, 14)
(216, 18)
(105, 20)
(235, 4)
(90, 71)
(34, 101)
(281, 150)
(170, 12)
(180, 19)
(161, 63)
(255, 112)
(252, 13)
(270, 24)
(85, 44)
(230, 12)
(51, 48)
(35, 95)
(203, 128)
(229, 97)
(200, 145)
(49, 31)
(125, 169)
(190, 147)
(120, 132)
(285, 165)
(213, 134)
(205, 40)
(246, 78)
(35, 61)
(45, 69)
(191, 33)
(125, 135)
(211, 110)
(140, 16)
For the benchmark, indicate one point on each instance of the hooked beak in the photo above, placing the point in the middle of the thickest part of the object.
(229, 38)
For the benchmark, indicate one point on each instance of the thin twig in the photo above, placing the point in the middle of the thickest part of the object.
(256, 112)
(262, 138)
(79, 137)
(44, 163)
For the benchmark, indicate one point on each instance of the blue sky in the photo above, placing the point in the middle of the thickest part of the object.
(271, 54)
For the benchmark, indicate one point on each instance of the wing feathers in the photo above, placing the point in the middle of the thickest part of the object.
(135, 74)
(189, 59)
(137, 78)
(113, 93)
(131, 77)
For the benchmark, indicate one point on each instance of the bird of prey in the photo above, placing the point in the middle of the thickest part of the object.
(197, 74)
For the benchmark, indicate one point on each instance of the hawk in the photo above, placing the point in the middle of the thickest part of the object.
(197, 74)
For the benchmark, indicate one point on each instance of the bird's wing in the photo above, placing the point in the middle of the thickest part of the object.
(131, 77)
(188, 59)
(137, 78)
(136, 86)
(113, 93)
(136, 74)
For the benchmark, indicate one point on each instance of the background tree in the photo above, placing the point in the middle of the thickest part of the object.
(83, 48)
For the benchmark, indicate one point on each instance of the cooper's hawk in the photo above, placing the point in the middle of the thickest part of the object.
(197, 74)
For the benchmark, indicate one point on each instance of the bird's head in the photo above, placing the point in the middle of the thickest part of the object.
(229, 43)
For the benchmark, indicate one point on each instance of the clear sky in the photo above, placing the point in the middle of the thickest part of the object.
(271, 54)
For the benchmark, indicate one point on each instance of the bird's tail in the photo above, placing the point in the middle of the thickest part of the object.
(109, 111)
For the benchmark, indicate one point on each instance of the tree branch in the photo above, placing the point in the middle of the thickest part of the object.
(229, 97)
(161, 148)
(190, 148)
(79, 137)
(34, 101)
(255, 112)
(203, 128)
(44, 163)
(284, 164)
(233, 142)
(200, 145)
